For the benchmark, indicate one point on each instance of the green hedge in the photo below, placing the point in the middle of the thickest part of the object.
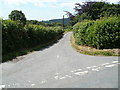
(101, 34)
(15, 37)
(80, 31)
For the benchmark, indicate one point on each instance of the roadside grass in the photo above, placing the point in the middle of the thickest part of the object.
(24, 51)
(92, 51)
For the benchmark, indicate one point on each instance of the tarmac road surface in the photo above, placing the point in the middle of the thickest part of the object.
(60, 66)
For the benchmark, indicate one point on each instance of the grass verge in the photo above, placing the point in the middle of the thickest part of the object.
(24, 51)
(92, 51)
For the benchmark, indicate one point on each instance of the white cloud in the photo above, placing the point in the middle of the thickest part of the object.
(50, 2)
(69, 4)
(113, 1)
(19, 2)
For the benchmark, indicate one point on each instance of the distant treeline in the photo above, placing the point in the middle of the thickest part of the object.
(59, 21)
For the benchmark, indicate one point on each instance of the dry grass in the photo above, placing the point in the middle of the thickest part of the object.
(92, 51)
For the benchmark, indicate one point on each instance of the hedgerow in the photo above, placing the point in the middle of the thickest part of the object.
(101, 34)
(80, 31)
(15, 37)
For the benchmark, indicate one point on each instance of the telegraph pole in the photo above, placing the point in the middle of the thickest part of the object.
(63, 22)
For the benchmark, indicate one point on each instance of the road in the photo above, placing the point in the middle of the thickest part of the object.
(60, 66)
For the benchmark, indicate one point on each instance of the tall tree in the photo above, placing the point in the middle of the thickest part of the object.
(81, 8)
(18, 16)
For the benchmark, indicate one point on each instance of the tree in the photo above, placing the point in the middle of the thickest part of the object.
(93, 10)
(70, 15)
(18, 16)
(81, 8)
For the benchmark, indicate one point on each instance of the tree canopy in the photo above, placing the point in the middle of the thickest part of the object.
(93, 11)
(18, 16)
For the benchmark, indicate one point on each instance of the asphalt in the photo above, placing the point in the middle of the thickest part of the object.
(60, 66)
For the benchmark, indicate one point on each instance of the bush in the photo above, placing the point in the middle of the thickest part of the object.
(103, 34)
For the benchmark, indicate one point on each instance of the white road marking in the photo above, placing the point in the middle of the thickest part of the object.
(32, 84)
(71, 71)
(88, 67)
(114, 61)
(85, 71)
(98, 67)
(94, 66)
(2, 86)
(58, 56)
(81, 73)
(62, 77)
(56, 77)
(95, 69)
(79, 69)
(44, 81)
(68, 76)
(110, 65)
(8, 85)
(76, 70)
(105, 64)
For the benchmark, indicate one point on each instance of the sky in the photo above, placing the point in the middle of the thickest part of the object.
(40, 9)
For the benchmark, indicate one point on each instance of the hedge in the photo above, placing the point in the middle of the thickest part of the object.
(15, 37)
(100, 34)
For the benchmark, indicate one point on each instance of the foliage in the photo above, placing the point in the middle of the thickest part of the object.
(18, 16)
(70, 15)
(80, 31)
(15, 38)
(35, 22)
(92, 51)
(102, 9)
(100, 34)
(93, 10)
(81, 8)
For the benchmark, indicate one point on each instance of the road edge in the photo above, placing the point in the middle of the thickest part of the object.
(92, 51)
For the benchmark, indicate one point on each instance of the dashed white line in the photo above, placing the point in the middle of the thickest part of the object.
(56, 77)
(114, 61)
(77, 70)
(105, 64)
(88, 67)
(44, 81)
(71, 71)
(94, 66)
(32, 84)
(110, 65)
(68, 76)
(8, 85)
(95, 69)
(81, 73)
(62, 77)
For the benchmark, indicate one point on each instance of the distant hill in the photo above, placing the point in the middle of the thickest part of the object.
(66, 21)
